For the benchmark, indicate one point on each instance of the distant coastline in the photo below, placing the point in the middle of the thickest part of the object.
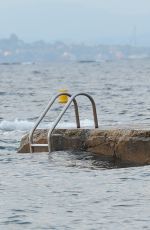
(14, 50)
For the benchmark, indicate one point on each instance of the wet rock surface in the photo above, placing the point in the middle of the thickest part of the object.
(126, 145)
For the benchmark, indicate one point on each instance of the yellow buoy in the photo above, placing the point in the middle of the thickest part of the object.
(63, 98)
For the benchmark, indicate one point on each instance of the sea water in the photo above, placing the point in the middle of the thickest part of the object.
(72, 190)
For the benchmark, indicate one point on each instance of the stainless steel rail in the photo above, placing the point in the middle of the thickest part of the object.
(32, 145)
(64, 110)
(72, 99)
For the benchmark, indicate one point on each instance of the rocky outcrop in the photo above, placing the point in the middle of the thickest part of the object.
(126, 145)
(62, 139)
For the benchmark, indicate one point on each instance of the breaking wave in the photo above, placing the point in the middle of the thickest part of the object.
(25, 125)
(16, 125)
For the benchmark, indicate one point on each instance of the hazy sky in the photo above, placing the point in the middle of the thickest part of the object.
(101, 21)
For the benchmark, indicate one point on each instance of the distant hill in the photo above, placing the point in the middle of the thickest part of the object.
(13, 49)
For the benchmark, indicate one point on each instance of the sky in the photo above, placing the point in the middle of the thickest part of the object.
(89, 21)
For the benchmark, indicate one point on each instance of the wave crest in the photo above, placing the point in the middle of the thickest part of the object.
(25, 125)
(21, 125)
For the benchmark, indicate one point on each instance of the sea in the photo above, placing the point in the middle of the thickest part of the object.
(68, 190)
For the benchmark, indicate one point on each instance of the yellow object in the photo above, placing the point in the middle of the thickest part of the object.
(63, 98)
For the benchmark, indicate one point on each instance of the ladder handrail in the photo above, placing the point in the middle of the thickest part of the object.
(64, 110)
(45, 112)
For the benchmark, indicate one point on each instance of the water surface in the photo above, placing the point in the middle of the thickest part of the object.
(66, 190)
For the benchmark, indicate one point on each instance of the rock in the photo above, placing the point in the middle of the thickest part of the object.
(62, 139)
(134, 147)
(40, 137)
(126, 145)
(101, 142)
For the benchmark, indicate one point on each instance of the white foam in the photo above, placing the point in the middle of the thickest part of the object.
(25, 125)
(16, 125)
(27, 63)
(83, 123)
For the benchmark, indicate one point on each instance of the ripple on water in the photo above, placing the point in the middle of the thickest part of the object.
(68, 190)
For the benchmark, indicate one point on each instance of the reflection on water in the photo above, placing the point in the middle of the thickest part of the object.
(85, 160)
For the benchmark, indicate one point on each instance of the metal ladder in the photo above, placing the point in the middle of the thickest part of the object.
(72, 99)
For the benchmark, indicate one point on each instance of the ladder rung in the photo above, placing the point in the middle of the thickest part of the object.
(39, 145)
(56, 134)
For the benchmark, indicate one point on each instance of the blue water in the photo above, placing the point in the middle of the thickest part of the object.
(66, 190)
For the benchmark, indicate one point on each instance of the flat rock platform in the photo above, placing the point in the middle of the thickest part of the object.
(127, 144)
